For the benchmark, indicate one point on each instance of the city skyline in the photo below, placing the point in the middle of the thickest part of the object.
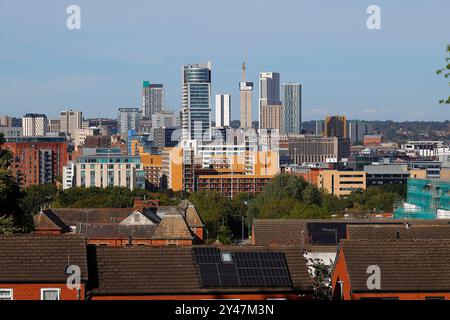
(343, 67)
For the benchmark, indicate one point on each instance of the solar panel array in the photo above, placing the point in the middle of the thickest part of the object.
(247, 269)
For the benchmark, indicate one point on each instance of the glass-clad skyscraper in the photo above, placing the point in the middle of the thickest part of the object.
(196, 111)
(292, 102)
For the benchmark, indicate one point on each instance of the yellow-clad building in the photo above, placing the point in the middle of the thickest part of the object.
(341, 183)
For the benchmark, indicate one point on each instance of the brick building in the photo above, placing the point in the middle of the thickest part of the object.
(156, 225)
(37, 160)
(182, 273)
(33, 267)
(407, 269)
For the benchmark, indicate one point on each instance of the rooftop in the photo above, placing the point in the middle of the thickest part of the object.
(405, 265)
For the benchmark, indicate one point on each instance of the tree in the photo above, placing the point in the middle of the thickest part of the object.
(34, 198)
(445, 72)
(10, 191)
(7, 225)
(321, 276)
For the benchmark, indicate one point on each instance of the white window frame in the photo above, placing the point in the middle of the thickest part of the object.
(52, 289)
(11, 293)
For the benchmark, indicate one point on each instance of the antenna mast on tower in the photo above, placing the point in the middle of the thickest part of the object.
(243, 64)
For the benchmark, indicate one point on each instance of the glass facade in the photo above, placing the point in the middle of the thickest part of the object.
(196, 101)
(292, 102)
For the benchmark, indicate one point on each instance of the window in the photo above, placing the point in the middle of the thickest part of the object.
(50, 294)
(226, 257)
(6, 294)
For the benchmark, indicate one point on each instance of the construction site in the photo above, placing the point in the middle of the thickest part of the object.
(426, 199)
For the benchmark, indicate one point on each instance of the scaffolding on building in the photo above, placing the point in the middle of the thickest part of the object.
(426, 199)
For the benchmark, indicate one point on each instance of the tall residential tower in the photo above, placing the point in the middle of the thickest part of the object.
(269, 91)
(152, 99)
(292, 102)
(196, 109)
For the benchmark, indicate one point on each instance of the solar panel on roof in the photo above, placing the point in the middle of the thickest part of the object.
(247, 269)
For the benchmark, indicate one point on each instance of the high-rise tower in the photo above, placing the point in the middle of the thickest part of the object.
(246, 89)
(269, 91)
(152, 99)
(196, 112)
(292, 102)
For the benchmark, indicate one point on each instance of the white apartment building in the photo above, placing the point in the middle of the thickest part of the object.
(34, 124)
(223, 110)
(68, 180)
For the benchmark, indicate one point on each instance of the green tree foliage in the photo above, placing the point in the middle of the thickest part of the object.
(214, 210)
(111, 197)
(289, 196)
(321, 275)
(9, 190)
(7, 225)
(380, 198)
(34, 198)
(445, 72)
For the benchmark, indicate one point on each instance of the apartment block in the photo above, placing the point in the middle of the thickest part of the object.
(34, 124)
(109, 168)
(37, 160)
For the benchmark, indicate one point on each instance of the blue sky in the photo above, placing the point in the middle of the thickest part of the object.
(324, 44)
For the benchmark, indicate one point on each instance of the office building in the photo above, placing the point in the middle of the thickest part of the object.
(5, 121)
(422, 148)
(386, 174)
(335, 126)
(80, 136)
(196, 107)
(34, 124)
(223, 110)
(341, 183)
(166, 137)
(109, 168)
(317, 149)
(152, 99)
(292, 102)
(246, 92)
(165, 119)
(11, 131)
(357, 129)
(269, 91)
(54, 126)
(128, 119)
(272, 117)
(70, 121)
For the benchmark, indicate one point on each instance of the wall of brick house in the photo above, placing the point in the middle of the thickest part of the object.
(32, 291)
(47, 231)
(340, 273)
(249, 296)
(137, 242)
(400, 296)
(198, 231)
